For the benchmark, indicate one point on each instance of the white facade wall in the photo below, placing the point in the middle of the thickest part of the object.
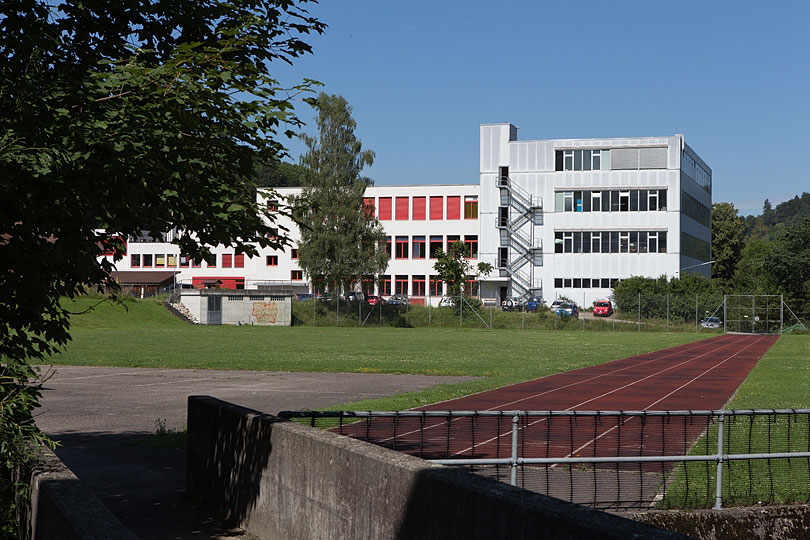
(531, 168)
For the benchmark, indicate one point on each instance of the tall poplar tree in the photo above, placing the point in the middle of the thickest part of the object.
(340, 238)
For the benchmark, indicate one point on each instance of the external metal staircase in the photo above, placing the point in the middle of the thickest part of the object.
(516, 222)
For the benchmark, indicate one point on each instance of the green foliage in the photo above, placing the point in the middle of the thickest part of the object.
(787, 263)
(727, 242)
(453, 268)
(339, 240)
(279, 174)
(117, 119)
(650, 296)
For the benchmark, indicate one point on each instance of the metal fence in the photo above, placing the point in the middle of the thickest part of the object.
(607, 459)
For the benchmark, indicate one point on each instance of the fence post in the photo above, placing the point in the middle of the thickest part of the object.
(515, 423)
(460, 310)
(667, 312)
(430, 309)
(718, 490)
(696, 313)
(490, 317)
(337, 310)
(639, 312)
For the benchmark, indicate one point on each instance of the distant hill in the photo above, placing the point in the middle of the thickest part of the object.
(772, 219)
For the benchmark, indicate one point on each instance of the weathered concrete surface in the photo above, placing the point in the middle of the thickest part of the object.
(754, 523)
(98, 412)
(283, 480)
(61, 508)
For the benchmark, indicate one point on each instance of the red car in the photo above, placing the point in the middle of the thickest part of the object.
(602, 308)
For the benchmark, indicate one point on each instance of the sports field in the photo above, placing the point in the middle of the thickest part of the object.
(146, 335)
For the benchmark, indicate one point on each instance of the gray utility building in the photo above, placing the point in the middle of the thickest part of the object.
(571, 217)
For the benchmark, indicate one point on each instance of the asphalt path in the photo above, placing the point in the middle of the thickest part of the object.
(97, 413)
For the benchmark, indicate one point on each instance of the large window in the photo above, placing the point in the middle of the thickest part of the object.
(227, 260)
(418, 208)
(632, 200)
(454, 207)
(403, 207)
(694, 247)
(386, 245)
(471, 246)
(385, 285)
(610, 242)
(436, 286)
(435, 246)
(470, 207)
(135, 261)
(402, 247)
(239, 261)
(271, 260)
(368, 207)
(296, 275)
(402, 285)
(451, 239)
(418, 286)
(147, 260)
(419, 247)
(578, 160)
(385, 208)
(437, 207)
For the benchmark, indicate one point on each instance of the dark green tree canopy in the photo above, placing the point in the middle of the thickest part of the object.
(339, 239)
(118, 117)
(727, 242)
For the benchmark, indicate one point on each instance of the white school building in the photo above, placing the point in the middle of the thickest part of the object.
(554, 217)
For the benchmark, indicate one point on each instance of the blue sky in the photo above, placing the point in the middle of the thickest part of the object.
(734, 77)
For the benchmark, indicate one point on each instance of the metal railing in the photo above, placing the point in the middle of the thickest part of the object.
(607, 459)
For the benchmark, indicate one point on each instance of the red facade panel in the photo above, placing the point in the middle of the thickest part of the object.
(385, 208)
(419, 207)
(437, 207)
(454, 207)
(239, 261)
(403, 205)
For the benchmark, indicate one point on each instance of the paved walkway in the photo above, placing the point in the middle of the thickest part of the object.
(97, 412)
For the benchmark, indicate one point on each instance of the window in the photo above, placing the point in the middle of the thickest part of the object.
(624, 242)
(135, 261)
(272, 260)
(454, 207)
(239, 261)
(419, 247)
(652, 242)
(171, 260)
(386, 245)
(595, 242)
(470, 207)
(451, 239)
(227, 260)
(471, 286)
(368, 207)
(385, 285)
(385, 208)
(436, 243)
(568, 242)
(578, 160)
(568, 197)
(436, 287)
(558, 283)
(558, 242)
(653, 205)
(401, 285)
(294, 253)
(418, 286)
(272, 205)
(147, 260)
(211, 261)
(437, 207)
(402, 247)
(577, 242)
(403, 205)
(596, 201)
(184, 261)
(503, 216)
(418, 208)
(471, 246)
(296, 275)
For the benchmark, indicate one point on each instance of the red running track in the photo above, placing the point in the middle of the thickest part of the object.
(700, 375)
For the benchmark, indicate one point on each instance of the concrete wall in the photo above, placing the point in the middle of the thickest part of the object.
(61, 508)
(281, 480)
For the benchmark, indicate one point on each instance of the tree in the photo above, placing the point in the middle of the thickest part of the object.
(453, 268)
(117, 118)
(787, 262)
(727, 242)
(279, 174)
(339, 239)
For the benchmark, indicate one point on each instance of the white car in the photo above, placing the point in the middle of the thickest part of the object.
(556, 304)
(711, 322)
(446, 301)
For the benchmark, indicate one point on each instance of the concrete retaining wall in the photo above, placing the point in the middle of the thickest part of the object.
(757, 523)
(281, 480)
(61, 508)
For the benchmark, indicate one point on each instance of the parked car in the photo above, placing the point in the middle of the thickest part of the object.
(533, 304)
(510, 304)
(398, 300)
(555, 305)
(303, 296)
(373, 300)
(355, 297)
(565, 309)
(447, 301)
(711, 322)
(602, 308)
(177, 287)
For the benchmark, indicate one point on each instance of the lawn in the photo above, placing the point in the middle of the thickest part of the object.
(143, 334)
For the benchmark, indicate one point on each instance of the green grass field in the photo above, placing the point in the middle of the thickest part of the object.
(146, 335)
